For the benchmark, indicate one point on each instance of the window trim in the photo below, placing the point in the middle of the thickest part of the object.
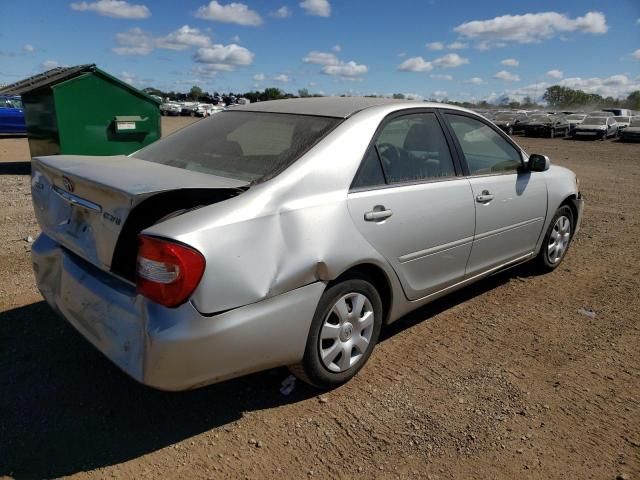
(463, 160)
(457, 164)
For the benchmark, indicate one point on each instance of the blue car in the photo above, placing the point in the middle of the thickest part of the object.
(11, 115)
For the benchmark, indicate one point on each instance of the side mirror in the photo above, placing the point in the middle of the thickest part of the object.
(538, 163)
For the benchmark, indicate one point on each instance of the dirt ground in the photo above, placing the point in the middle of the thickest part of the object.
(505, 379)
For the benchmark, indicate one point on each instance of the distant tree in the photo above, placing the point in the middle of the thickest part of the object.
(514, 104)
(633, 100)
(271, 94)
(303, 92)
(195, 93)
(398, 96)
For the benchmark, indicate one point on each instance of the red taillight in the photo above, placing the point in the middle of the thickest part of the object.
(167, 272)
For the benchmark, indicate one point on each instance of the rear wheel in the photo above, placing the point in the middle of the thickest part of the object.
(343, 333)
(556, 240)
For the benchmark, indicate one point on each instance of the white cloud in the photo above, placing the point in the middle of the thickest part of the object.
(183, 38)
(321, 58)
(129, 78)
(113, 8)
(530, 27)
(29, 48)
(320, 8)
(437, 76)
(557, 74)
(636, 54)
(282, 12)
(617, 86)
(349, 70)
(224, 57)
(457, 46)
(336, 48)
(475, 81)
(439, 93)
(332, 65)
(282, 78)
(450, 60)
(235, 39)
(49, 64)
(259, 77)
(435, 46)
(134, 42)
(614, 86)
(415, 64)
(232, 13)
(510, 62)
(507, 76)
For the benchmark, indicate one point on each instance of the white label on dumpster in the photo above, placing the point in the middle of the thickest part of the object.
(126, 125)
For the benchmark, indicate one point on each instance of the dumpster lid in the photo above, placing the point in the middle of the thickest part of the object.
(50, 77)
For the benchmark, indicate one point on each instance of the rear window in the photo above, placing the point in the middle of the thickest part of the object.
(251, 146)
(595, 121)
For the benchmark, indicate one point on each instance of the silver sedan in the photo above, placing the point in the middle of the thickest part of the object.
(288, 233)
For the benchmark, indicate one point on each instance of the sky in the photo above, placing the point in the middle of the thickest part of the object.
(459, 50)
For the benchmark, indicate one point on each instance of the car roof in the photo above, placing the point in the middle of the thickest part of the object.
(338, 107)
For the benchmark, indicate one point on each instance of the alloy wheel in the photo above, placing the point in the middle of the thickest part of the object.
(559, 239)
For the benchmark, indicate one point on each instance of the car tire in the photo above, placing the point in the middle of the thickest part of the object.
(333, 336)
(556, 240)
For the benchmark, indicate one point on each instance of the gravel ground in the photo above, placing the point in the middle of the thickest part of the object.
(505, 379)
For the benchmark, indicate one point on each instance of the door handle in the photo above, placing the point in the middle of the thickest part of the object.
(485, 197)
(378, 214)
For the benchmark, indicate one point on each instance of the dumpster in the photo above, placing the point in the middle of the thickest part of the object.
(83, 110)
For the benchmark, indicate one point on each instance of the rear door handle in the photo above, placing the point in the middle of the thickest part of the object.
(485, 197)
(378, 214)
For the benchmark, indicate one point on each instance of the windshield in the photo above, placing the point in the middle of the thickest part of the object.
(576, 117)
(250, 146)
(10, 103)
(505, 116)
(595, 121)
(623, 119)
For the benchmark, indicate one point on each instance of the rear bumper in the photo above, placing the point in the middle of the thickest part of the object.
(172, 348)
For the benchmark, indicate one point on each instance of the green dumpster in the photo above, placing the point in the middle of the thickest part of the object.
(83, 110)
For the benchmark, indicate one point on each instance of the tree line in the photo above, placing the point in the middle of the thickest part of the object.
(556, 97)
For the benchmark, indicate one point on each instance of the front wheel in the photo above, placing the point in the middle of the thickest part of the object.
(556, 240)
(343, 333)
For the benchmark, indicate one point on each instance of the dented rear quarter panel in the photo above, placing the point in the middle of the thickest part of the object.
(290, 231)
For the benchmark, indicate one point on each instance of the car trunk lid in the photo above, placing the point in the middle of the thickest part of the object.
(84, 202)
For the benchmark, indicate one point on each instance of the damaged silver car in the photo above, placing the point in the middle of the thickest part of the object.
(287, 233)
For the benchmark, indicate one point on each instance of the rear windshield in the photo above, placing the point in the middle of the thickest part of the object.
(250, 146)
(576, 117)
(540, 118)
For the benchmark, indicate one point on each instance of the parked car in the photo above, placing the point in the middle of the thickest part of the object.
(11, 115)
(204, 110)
(597, 127)
(287, 233)
(619, 112)
(574, 120)
(510, 122)
(546, 125)
(601, 113)
(632, 132)
(170, 108)
(622, 122)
